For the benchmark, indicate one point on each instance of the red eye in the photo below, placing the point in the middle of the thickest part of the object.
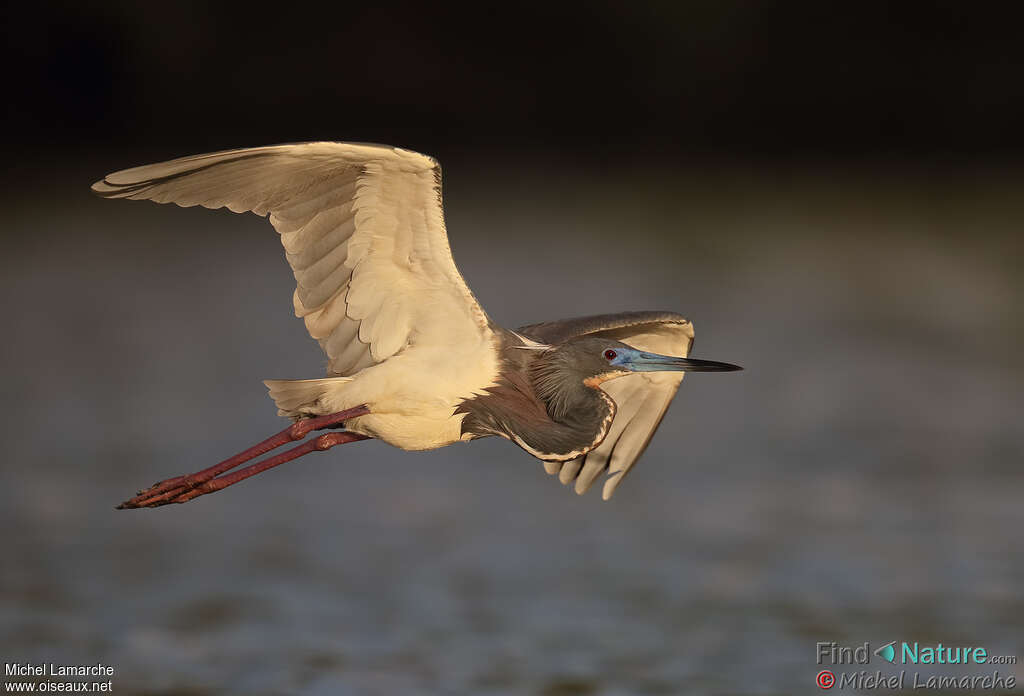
(610, 354)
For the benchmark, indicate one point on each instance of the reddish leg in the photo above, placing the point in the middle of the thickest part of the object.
(172, 489)
(182, 494)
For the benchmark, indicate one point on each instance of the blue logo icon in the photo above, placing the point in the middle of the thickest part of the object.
(887, 652)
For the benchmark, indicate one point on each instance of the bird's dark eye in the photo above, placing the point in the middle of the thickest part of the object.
(610, 354)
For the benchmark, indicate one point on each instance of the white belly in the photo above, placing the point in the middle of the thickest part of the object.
(413, 395)
(410, 432)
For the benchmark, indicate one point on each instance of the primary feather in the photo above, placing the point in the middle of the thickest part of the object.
(363, 230)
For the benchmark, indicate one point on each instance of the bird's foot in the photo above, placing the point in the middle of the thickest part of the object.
(182, 489)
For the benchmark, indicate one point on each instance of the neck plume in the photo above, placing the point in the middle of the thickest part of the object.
(558, 385)
(542, 404)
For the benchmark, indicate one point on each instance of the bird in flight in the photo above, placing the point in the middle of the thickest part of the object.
(413, 359)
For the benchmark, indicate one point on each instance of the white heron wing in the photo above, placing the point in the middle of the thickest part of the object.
(641, 399)
(363, 231)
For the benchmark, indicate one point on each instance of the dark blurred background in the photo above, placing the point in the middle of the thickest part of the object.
(603, 81)
(831, 191)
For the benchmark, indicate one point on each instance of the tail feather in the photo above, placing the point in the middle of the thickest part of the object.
(301, 398)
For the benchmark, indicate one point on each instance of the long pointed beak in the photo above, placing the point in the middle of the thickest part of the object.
(652, 362)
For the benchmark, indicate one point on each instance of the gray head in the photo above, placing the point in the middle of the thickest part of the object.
(590, 361)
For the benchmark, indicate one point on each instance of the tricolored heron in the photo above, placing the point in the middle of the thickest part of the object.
(413, 359)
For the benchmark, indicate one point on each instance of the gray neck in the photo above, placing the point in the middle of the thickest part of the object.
(535, 403)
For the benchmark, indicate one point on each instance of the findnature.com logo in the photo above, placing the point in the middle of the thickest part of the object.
(911, 653)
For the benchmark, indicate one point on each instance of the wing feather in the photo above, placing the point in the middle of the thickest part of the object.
(363, 231)
(641, 399)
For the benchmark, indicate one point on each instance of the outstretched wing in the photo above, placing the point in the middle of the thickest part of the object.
(642, 398)
(363, 230)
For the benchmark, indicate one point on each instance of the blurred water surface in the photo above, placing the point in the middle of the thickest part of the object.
(861, 480)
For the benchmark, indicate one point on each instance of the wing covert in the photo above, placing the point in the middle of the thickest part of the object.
(363, 231)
